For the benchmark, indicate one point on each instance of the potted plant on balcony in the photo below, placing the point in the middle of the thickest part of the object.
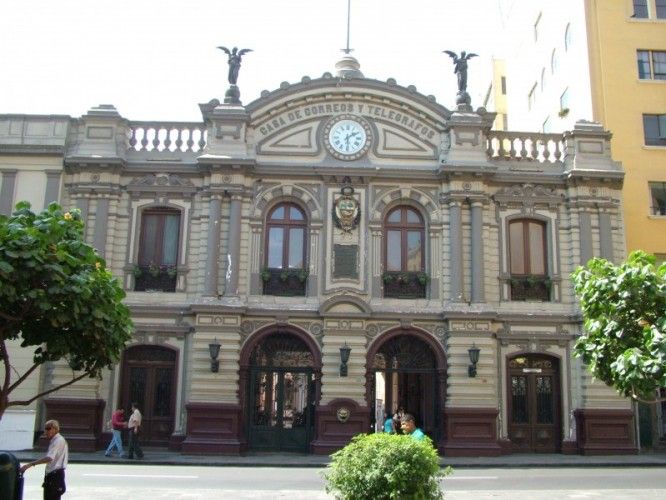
(153, 270)
(302, 275)
(423, 278)
(265, 275)
(136, 271)
(284, 275)
(387, 278)
(172, 271)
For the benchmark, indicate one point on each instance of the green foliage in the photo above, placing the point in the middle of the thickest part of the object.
(624, 309)
(385, 466)
(56, 296)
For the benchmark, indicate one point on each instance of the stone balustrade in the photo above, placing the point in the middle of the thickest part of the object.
(167, 136)
(529, 146)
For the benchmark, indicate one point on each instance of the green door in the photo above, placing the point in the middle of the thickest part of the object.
(280, 415)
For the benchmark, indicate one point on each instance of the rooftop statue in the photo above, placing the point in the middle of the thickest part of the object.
(235, 57)
(460, 67)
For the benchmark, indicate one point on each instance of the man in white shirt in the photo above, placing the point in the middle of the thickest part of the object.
(133, 425)
(55, 460)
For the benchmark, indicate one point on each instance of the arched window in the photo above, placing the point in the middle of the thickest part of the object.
(528, 260)
(158, 250)
(285, 266)
(404, 253)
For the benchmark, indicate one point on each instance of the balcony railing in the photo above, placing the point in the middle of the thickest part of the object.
(530, 288)
(528, 146)
(284, 282)
(167, 136)
(155, 278)
(405, 285)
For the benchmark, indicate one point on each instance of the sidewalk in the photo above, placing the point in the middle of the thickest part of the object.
(160, 456)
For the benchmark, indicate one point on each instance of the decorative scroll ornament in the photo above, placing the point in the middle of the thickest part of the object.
(346, 211)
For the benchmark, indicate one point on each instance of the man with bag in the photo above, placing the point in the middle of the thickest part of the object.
(56, 462)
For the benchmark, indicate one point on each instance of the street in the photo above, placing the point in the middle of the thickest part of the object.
(89, 481)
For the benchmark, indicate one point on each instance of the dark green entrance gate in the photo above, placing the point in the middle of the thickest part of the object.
(281, 395)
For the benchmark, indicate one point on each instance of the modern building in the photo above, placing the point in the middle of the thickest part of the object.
(603, 61)
(298, 266)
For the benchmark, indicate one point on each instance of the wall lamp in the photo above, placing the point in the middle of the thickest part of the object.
(474, 359)
(345, 350)
(214, 350)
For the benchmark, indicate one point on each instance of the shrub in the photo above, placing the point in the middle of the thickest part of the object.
(385, 466)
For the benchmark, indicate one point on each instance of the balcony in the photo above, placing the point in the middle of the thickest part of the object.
(530, 288)
(155, 278)
(284, 282)
(405, 284)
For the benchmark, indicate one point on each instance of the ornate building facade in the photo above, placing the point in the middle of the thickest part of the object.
(338, 248)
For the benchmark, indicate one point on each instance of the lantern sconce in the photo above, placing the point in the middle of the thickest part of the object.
(345, 350)
(214, 350)
(474, 359)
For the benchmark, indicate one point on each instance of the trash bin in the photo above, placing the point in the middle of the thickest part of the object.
(11, 480)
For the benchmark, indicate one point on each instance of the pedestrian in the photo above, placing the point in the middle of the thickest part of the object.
(133, 425)
(388, 424)
(397, 420)
(56, 462)
(409, 427)
(117, 425)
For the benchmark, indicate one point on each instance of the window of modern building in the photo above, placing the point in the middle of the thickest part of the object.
(537, 27)
(567, 37)
(404, 253)
(285, 268)
(531, 97)
(640, 9)
(660, 6)
(564, 101)
(651, 64)
(654, 130)
(658, 197)
(554, 62)
(158, 250)
(528, 260)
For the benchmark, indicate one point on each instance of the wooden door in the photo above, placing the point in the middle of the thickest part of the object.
(534, 404)
(149, 379)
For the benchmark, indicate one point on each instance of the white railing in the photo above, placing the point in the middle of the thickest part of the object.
(528, 146)
(167, 136)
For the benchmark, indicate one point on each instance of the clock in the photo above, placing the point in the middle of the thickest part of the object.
(347, 137)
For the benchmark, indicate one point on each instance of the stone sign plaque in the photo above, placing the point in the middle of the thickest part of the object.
(345, 261)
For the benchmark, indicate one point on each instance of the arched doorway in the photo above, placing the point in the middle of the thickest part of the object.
(282, 394)
(407, 371)
(149, 379)
(534, 403)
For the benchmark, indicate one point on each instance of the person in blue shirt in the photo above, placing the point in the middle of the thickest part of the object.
(409, 427)
(388, 424)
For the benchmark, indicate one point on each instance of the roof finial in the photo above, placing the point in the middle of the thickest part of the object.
(347, 50)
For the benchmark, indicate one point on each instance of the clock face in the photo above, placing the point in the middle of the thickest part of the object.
(347, 137)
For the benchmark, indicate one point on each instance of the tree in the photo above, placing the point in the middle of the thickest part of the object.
(624, 311)
(57, 297)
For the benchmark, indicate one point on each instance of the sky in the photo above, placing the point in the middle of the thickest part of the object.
(157, 60)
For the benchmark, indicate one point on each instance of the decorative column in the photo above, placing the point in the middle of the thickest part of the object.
(316, 257)
(478, 292)
(605, 236)
(456, 242)
(101, 225)
(234, 245)
(585, 228)
(376, 260)
(211, 275)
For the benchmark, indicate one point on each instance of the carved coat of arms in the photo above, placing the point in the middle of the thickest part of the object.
(346, 211)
